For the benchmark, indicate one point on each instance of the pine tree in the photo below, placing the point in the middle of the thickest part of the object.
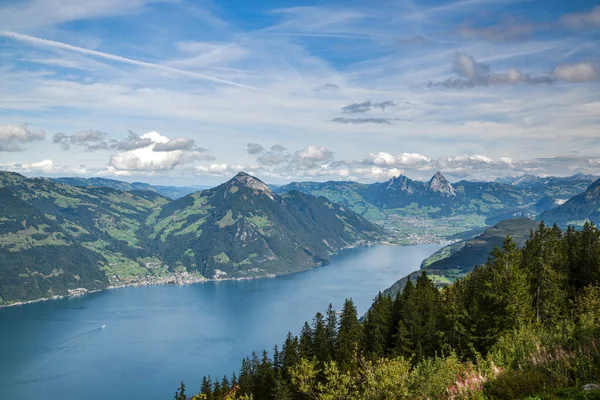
(320, 343)
(180, 393)
(545, 260)
(225, 385)
(290, 354)
(265, 378)
(306, 347)
(349, 336)
(378, 326)
(276, 359)
(402, 337)
(206, 387)
(331, 332)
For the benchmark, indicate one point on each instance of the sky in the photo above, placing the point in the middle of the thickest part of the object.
(189, 92)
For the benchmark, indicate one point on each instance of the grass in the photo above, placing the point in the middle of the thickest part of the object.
(32, 237)
(227, 220)
(221, 258)
(261, 223)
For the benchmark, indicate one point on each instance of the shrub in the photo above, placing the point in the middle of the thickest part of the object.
(515, 385)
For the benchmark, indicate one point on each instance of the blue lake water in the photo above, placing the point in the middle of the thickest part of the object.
(156, 336)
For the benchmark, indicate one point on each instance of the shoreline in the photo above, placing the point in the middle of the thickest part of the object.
(189, 279)
(184, 278)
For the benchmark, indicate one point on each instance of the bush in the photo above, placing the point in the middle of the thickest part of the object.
(515, 385)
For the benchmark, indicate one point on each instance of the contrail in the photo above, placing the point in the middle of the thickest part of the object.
(59, 45)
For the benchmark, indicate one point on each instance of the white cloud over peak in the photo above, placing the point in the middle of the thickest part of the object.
(170, 154)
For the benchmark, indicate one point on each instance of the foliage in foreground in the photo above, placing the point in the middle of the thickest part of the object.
(524, 325)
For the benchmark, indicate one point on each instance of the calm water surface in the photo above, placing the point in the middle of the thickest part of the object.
(156, 336)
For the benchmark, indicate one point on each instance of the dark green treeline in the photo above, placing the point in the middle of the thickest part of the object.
(548, 289)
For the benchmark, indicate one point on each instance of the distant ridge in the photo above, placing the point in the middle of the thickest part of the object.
(577, 210)
(172, 192)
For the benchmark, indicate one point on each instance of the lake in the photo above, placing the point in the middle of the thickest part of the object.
(156, 336)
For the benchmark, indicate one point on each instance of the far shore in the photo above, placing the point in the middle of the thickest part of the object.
(185, 278)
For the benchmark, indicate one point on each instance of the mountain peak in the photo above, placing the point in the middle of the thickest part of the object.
(244, 179)
(440, 184)
(400, 182)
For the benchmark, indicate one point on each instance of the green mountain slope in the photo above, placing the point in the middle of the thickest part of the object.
(172, 192)
(38, 258)
(56, 237)
(466, 254)
(577, 210)
(241, 228)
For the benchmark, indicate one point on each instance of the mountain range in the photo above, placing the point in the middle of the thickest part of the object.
(56, 238)
(172, 192)
(455, 260)
(439, 209)
(59, 235)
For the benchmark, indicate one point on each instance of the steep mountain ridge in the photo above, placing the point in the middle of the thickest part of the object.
(241, 228)
(577, 210)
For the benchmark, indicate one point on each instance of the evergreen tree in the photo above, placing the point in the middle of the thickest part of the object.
(265, 378)
(206, 387)
(545, 260)
(225, 385)
(276, 359)
(180, 393)
(291, 354)
(378, 327)
(331, 332)
(319, 340)
(349, 336)
(306, 347)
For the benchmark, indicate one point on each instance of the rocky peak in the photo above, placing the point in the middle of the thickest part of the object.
(400, 182)
(527, 178)
(245, 180)
(440, 184)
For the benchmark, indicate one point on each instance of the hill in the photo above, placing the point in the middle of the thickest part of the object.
(56, 237)
(39, 258)
(172, 192)
(577, 210)
(466, 254)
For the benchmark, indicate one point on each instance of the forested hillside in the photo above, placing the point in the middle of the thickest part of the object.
(56, 238)
(525, 325)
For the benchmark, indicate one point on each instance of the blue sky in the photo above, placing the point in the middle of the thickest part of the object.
(190, 92)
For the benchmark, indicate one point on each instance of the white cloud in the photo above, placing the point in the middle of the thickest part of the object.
(64, 46)
(46, 167)
(13, 136)
(167, 157)
(42, 13)
(583, 20)
(582, 72)
(312, 156)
